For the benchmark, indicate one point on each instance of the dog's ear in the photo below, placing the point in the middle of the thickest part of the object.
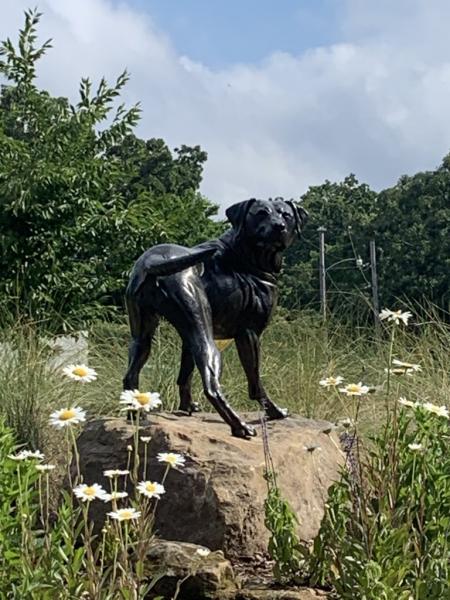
(237, 213)
(301, 215)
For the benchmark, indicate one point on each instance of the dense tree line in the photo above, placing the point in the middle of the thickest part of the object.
(410, 224)
(81, 197)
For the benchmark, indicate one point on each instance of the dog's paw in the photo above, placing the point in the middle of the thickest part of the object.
(275, 412)
(243, 431)
(192, 407)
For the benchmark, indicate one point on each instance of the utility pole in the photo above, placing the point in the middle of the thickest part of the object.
(373, 271)
(322, 273)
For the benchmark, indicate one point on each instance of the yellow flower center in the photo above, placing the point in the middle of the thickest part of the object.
(81, 371)
(171, 459)
(89, 491)
(126, 514)
(142, 399)
(67, 414)
(150, 487)
(353, 387)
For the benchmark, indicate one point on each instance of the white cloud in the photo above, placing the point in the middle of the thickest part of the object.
(375, 105)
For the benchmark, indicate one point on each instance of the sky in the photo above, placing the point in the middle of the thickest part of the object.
(282, 95)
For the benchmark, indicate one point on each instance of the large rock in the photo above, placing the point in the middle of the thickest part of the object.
(199, 577)
(217, 499)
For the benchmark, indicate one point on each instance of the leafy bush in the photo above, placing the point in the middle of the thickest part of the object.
(385, 534)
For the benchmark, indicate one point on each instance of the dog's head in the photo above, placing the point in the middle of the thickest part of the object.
(273, 223)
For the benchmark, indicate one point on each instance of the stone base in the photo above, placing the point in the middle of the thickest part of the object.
(217, 499)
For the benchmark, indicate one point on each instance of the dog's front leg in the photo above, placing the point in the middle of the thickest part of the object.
(248, 348)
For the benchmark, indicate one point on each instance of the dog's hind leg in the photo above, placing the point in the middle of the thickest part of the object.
(248, 348)
(143, 324)
(184, 381)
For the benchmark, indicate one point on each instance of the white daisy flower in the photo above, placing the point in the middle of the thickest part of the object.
(172, 459)
(146, 438)
(395, 316)
(86, 493)
(203, 552)
(27, 455)
(355, 389)
(67, 416)
(331, 381)
(115, 472)
(136, 400)
(403, 368)
(397, 371)
(45, 468)
(440, 411)
(406, 402)
(151, 489)
(114, 496)
(125, 514)
(408, 366)
(415, 447)
(80, 373)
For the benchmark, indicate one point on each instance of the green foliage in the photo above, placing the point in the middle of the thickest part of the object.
(10, 513)
(43, 558)
(388, 537)
(284, 546)
(347, 211)
(410, 224)
(80, 196)
(413, 229)
(385, 533)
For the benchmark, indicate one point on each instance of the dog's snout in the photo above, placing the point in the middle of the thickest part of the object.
(280, 226)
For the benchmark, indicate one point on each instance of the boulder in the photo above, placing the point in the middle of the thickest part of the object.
(199, 577)
(217, 499)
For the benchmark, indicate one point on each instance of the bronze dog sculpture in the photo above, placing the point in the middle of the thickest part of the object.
(221, 289)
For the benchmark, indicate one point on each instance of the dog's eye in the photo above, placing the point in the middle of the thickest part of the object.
(287, 215)
(262, 212)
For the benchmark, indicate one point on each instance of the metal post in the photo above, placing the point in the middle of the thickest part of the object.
(322, 280)
(373, 270)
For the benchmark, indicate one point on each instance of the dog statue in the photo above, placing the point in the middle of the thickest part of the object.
(221, 289)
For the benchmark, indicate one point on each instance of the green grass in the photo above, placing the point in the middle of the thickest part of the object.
(296, 354)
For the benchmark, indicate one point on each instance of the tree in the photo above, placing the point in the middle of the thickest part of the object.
(76, 206)
(413, 229)
(347, 210)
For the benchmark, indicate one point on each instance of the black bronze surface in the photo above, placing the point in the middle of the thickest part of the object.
(221, 289)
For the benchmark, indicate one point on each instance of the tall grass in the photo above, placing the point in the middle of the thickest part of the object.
(296, 354)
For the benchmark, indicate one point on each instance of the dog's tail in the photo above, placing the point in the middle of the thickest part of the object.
(157, 266)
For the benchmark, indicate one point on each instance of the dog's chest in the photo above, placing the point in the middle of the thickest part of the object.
(240, 301)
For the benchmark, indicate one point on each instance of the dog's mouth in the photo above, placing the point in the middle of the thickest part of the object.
(277, 239)
(280, 239)
(275, 243)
